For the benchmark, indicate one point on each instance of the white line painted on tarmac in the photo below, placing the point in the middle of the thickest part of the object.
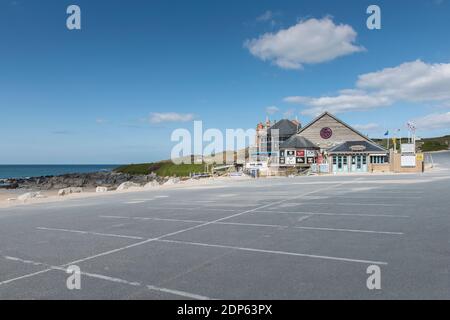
(23, 261)
(180, 293)
(275, 252)
(351, 204)
(90, 233)
(309, 183)
(260, 225)
(371, 197)
(335, 214)
(194, 209)
(152, 219)
(25, 276)
(350, 230)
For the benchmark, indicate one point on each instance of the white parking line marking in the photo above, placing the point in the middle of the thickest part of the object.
(91, 233)
(379, 193)
(258, 225)
(180, 293)
(114, 217)
(23, 261)
(292, 205)
(334, 214)
(134, 202)
(275, 252)
(194, 209)
(197, 221)
(309, 183)
(25, 276)
(153, 219)
(352, 204)
(372, 197)
(108, 278)
(350, 230)
(110, 252)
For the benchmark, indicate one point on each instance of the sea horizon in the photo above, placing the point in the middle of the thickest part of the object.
(21, 171)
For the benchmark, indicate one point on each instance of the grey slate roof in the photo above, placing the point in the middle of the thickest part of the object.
(285, 127)
(297, 142)
(347, 147)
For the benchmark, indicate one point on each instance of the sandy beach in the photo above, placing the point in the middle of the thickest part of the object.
(8, 198)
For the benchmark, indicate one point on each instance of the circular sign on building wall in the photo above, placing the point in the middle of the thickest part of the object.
(326, 133)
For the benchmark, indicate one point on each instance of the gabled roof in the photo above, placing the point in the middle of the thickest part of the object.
(297, 142)
(326, 113)
(285, 127)
(357, 146)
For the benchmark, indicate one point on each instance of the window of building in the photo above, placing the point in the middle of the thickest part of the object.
(378, 159)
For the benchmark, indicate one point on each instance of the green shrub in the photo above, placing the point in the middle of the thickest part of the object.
(162, 169)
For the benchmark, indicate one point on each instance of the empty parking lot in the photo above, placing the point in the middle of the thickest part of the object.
(296, 238)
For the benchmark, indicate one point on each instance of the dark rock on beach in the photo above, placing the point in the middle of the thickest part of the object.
(85, 180)
(8, 185)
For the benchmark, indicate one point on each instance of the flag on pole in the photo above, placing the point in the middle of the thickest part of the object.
(387, 135)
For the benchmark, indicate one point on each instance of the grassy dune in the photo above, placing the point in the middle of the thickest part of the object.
(163, 169)
(425, 145)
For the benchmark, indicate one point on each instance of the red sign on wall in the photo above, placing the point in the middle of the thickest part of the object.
(300, 153)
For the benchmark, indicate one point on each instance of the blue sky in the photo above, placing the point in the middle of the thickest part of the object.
(114, 91)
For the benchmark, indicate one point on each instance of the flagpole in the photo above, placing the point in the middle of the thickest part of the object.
(388, 141)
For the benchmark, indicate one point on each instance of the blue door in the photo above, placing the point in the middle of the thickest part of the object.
(359, 163)
(340, 163)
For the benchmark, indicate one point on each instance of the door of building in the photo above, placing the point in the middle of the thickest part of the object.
(359, 163)
(340, 164)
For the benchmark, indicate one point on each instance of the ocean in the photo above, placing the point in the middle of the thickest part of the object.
(26, 171)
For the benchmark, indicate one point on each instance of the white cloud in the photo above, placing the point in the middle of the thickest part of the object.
(414, 82)
(340, 103)
(410, 81)
(170, 117)
(366, 127)
(308, 42)
(272, 110)
(433, 121)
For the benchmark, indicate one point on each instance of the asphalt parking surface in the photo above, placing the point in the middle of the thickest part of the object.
(286, 238)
